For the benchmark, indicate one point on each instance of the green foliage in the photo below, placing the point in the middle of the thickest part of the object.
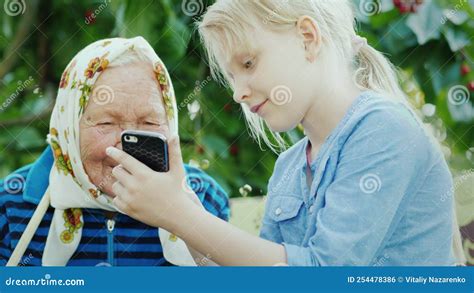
(217, 136)
(428, 46)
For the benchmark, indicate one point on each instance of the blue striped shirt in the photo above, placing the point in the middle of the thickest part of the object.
(129, 243)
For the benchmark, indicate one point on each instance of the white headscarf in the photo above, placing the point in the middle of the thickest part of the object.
(69, 185)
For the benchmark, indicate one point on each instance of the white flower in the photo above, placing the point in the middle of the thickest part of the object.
(193, 109)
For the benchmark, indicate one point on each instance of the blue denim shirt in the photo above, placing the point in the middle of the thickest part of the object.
(381, 193)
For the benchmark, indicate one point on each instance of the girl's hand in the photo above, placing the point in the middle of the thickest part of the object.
(162, 200)
(154, 198)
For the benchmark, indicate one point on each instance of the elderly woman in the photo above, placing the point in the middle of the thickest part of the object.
(109, 86)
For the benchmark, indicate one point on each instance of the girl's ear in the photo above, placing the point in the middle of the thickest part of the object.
(308, 29)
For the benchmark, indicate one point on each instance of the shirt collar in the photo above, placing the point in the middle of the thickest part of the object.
(37, 180)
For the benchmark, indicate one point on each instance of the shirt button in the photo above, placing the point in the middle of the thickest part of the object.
(311, 209)
(278, 211)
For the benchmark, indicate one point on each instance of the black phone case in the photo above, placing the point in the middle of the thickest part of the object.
(150, 150)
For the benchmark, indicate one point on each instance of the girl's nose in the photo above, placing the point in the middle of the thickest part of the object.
(241, 92)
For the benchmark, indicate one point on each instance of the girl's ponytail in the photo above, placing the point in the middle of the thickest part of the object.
(223, 28)
(374, 71)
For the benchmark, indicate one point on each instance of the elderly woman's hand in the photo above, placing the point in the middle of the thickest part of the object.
(154, 198)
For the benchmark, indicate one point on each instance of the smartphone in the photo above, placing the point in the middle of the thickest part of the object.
(150, 148)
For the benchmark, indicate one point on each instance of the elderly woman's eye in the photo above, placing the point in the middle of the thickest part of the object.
(104, 123)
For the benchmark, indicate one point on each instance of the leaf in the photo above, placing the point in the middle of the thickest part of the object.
(426, 23)
(457, 39)
(26, 138)
(399, 37)
(180, 36)
(216, 144)
(383, 19)
(457, 17)
(462, 113)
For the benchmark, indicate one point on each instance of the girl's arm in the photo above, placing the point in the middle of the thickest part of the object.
(200, 259)
(222, 242)
(161, 200)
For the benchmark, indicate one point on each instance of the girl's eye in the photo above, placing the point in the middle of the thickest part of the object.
(248, 64)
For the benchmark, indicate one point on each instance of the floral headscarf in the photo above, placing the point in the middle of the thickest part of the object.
(70, 187)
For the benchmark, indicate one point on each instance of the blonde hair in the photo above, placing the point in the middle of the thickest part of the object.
(228, 23)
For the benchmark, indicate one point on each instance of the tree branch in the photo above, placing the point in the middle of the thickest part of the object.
(24, 28)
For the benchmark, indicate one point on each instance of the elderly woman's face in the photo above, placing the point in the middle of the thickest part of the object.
(133, 101)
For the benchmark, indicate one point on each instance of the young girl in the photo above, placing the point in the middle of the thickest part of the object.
(366, 186)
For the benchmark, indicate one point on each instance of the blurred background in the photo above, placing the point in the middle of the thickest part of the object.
(429, 40)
